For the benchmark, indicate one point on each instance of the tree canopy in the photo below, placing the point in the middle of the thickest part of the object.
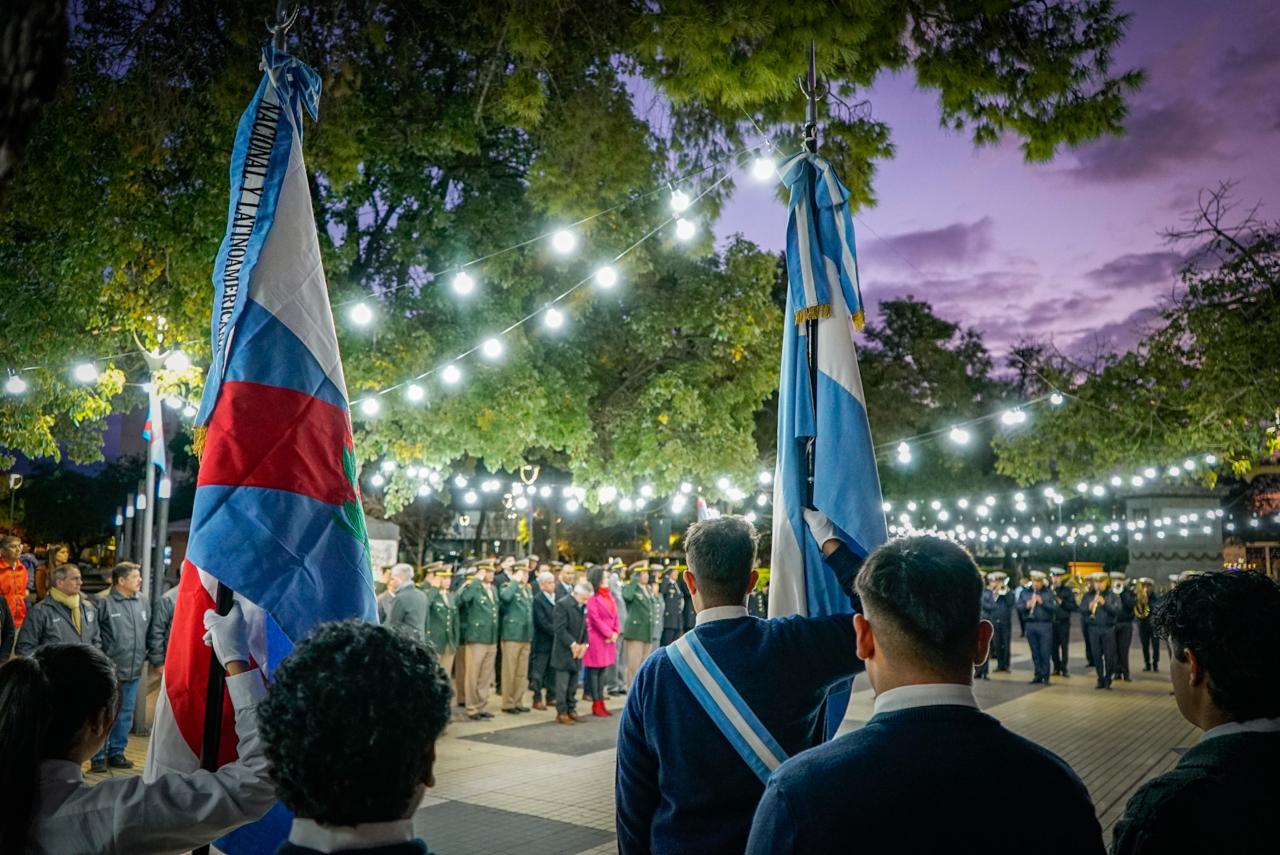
(450, 131)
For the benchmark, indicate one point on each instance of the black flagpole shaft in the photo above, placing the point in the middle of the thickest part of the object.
(811, 143)
(213, 701)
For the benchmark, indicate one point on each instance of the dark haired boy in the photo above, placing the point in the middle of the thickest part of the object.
(350, 727)
(683, 783)
(920, 633)
(1224, 629)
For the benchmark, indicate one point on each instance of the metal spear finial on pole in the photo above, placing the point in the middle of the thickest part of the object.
(279, 28)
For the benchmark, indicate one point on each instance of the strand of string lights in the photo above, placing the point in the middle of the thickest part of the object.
(563, 241)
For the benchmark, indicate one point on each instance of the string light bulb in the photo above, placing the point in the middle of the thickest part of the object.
(85, 372)
(360, 314)
(564, 241)
(553, 318)
(462, 283)
(904, 453)
(606, 277)
(414, 393)
(1056, 399)
(15, 385)
(189, 411)
(492, 348)
(177, 361)
(680, 201)
(763, 169)
(451, 374)
(370, 406)
(685, 229)
(959, 436)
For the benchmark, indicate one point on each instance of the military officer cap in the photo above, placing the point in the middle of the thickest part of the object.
(1038, 574)
(1117, 576)
(485, 564)
(1057, 571)
(1147, 580)
(997, 576)
(1097, 575)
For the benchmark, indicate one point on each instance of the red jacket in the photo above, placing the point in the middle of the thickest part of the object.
(13, 587)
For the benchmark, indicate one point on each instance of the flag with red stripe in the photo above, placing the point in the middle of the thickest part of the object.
(277, 515)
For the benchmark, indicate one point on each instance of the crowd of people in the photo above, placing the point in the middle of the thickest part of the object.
(722, 741)
(46, 606)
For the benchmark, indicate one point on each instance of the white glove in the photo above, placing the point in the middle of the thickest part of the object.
(227, 634)
(821, 527)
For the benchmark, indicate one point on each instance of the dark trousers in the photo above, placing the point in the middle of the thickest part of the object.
(1150, 644)
(1040, 637)
(670, 634)
(1103, 641)
(1124, 640)
(1088, 641)
(1000, 646)
(566, 691)
(541, 677)
(595, 684)
(1061, 644)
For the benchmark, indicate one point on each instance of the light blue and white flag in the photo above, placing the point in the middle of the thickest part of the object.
(823, 287)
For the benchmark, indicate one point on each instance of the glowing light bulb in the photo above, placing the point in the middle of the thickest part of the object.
(492, 348)
(361, 315)
(177, 361)
(680, 201)
(370, 406)
(686, 487)
(173, 402)
(607, 494)
(414, 392)
(685, 229)
(606, 277)
(377, 480)
(763, 169)
(86, 372)
(189, 411)
(959, 436)
(553, 319)
(470, 498)
(451, 374)
(15, 385)
(1056, 399)
(564, 241)
(462, 283)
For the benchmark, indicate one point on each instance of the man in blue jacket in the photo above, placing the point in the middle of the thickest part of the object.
(682, 785)
(920, 633)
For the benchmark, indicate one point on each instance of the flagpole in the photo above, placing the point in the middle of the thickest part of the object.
(811, 326)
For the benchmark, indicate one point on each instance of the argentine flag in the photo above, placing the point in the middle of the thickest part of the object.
(822, 287)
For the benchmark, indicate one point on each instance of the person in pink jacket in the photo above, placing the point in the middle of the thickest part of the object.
(602, 633)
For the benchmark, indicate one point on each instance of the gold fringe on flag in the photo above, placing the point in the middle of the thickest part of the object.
(814, 313)
(859, 320)
(198, 434)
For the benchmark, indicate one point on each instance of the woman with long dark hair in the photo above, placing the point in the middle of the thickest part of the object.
(602, 633)
(57, 707)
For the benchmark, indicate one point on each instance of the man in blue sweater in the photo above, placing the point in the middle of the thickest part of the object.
(914, 778)
(682, 786)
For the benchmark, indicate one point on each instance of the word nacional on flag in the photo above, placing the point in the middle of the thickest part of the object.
(277, 514)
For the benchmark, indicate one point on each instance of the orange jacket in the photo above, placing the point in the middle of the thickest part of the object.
(13, 587)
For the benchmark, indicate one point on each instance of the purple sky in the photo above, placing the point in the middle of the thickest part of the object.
(1069, 250)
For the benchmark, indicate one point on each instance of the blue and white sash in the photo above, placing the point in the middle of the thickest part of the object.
(745, 732)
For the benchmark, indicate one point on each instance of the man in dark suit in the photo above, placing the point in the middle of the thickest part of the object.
(682, 785)
(1062, 619)
(568, 646)
(541, 676)
(1224, 629)
(566, 579)
(1124, 624)
(408, 609)
(920, 633)
(1099, 608)
(1038, 606)
(672, 607)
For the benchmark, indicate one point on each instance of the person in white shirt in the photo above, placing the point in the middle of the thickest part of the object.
(57, 708)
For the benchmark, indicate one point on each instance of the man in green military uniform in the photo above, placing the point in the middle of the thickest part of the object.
(442, 615)
(478, 611)
(637, 630)
(515, 638)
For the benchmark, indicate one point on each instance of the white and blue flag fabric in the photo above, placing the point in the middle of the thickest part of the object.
(822, 287)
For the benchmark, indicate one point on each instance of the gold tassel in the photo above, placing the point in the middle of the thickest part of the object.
(859, 320)
(814, 313)
(198, 435)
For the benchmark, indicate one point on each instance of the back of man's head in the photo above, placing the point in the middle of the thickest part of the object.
(350, 724)
(1231, 622)
(721, 555)
(923, 598)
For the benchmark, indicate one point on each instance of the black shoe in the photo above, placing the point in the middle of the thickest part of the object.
(98, 766)
(523, 709)
(486, 715)
(1102, 686)
(1064, 673)
(512, 711)
(1146, 667)
(1155, 669)
(1036, 680)
(119, 761)
(480, 717)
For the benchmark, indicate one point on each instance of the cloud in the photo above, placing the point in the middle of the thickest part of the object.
(1118, 336)
(1138, 270)
(950, 246)
(1159, 140)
